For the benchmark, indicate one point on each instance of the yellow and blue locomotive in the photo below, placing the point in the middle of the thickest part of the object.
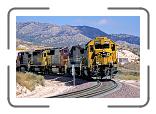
(98, 58)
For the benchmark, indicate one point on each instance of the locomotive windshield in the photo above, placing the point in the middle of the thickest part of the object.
(105, 46)
(52, 52)
(36, 52)
(99, 46)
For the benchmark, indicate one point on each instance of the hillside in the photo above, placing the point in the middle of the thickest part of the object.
(125, 37)
(61, 36)
(90, 32)
(24, 45)
(134, 48)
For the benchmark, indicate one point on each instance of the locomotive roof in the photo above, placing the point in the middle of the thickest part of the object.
(101, 37)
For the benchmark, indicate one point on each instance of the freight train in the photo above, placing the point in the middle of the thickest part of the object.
(98, 58)
(49, 60)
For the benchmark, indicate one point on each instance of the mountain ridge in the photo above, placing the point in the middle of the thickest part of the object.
(65, 35)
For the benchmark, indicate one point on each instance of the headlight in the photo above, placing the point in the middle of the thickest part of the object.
(98, 63)
(104, 54)
(108, 54)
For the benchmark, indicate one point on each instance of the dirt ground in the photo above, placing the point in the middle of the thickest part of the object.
(51, 88)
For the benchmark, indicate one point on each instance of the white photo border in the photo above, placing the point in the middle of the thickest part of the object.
(11, 35)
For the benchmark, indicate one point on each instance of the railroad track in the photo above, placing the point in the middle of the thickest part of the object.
(99, 88)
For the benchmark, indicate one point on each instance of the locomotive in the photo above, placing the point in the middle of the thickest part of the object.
(49, 60)
(98, 58)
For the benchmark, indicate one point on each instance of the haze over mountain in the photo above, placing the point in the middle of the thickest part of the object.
(65, 35)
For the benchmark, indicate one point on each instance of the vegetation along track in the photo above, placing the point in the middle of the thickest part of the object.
(100, 88)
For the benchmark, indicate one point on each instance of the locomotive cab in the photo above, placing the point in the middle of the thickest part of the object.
(101, 56)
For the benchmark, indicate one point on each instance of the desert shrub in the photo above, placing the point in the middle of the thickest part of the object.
(29, 80)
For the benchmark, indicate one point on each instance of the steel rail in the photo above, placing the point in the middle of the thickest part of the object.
(77, 92)
(100, 90)
(97, 89)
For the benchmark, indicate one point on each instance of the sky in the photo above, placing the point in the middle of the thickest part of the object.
(109, 24)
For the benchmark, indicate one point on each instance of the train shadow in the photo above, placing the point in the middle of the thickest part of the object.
(66, 79)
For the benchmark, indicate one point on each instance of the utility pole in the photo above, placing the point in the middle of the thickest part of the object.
(73, 73)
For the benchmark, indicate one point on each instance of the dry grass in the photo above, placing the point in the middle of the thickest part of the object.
(29, 80)
(128, 77)
(130, 71)
(128, 74)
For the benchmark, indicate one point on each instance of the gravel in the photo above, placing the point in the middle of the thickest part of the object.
(80, 84)
(129, 89)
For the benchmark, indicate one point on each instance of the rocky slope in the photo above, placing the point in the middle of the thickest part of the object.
(134, 48)
(65, 35)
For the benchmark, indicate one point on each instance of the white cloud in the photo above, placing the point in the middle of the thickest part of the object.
(99, 22)
(102, 22)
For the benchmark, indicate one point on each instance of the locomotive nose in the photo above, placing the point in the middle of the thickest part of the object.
(104, 54)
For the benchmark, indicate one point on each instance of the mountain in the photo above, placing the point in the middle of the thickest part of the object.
(125, 37)
(90, 32)
(24, 45)
(65, 35)
(50, 34)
